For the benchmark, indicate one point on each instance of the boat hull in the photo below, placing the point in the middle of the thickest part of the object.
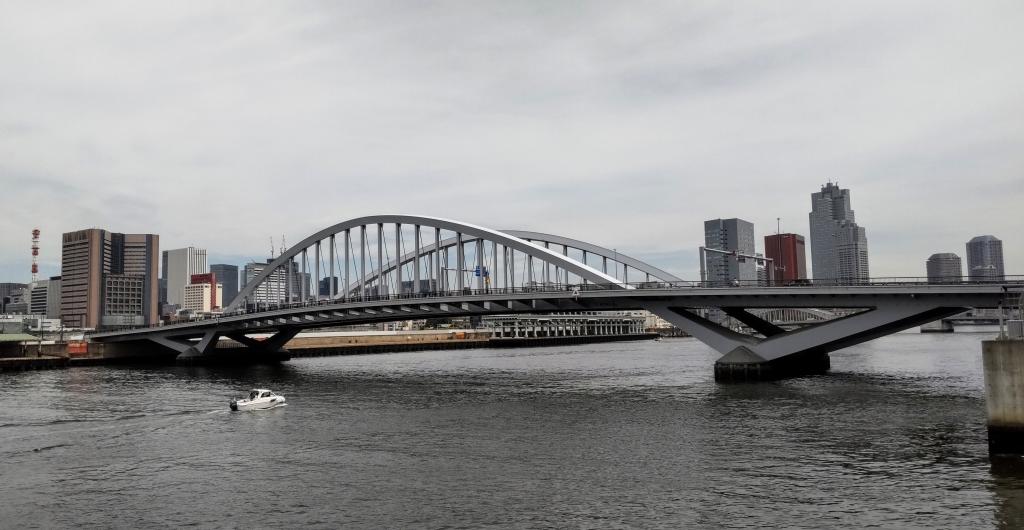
(258, 404)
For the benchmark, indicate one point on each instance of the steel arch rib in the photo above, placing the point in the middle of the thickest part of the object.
(488, 234)
(591, 248)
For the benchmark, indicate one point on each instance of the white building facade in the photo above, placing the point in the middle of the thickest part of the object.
(199, 297)
(178, 267)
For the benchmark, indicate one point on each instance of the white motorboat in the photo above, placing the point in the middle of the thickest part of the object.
(259, 399)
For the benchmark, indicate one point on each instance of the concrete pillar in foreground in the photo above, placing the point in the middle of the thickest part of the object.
(1004, 395)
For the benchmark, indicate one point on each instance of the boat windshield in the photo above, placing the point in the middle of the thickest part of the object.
(266, 394)
(254, 394)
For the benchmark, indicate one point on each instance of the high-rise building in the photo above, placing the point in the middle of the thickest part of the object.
(227, 275)
(53, 298)
(179, 265)
(944, 268)
(761, 268)
(8, 291)
(275, 288)
(203, 293)
(39, 297)
(788, 254)
(19, 304)
(326, 285)
(985, 259)
(216, 289)
(735, 235)
(839, 247)
(426, 286)
(108, 279)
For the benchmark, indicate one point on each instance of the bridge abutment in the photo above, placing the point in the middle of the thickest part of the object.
(1004, 395)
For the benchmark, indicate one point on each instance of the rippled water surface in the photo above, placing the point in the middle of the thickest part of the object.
(630, 434)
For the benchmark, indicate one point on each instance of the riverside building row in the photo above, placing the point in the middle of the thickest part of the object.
(110, 280)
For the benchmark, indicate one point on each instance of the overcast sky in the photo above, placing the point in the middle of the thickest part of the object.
(626, 124)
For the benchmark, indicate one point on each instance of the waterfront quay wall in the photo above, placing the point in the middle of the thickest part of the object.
(354, 343)
(389, 342)
(316, 344)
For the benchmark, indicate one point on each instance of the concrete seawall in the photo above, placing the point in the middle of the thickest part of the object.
(310, 345)
(354, 344)
(472, 340)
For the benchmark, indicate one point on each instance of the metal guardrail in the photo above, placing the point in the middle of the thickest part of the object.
(895, 281)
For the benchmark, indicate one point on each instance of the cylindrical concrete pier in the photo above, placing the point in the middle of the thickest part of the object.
(1004, 395)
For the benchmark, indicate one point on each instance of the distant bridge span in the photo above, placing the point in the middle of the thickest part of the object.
(382, 268)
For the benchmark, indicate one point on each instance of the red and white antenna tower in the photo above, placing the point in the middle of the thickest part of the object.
(35, 255)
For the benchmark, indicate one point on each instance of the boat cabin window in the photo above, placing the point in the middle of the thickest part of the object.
(266, 394)
(253, 394)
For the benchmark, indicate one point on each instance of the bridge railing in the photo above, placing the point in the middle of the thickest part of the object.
(557, 288)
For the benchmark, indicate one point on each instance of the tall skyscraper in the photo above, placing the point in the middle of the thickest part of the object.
(227, 275)
(944, 268)
(179, 265)
(108, 279)
(839, 247)
(731, 235)
(985, 259)
(790, 258)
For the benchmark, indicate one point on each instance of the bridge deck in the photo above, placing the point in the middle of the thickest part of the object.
(587, 298)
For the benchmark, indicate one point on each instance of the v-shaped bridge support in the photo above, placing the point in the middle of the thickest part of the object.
(205, 349)
(780, 353)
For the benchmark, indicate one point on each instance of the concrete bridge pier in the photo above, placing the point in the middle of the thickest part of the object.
(742, 365)
(1004, 395)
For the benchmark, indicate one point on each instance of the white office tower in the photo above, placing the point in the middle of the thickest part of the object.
(178, 267)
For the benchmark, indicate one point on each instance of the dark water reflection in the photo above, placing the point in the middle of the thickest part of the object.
(627, 434)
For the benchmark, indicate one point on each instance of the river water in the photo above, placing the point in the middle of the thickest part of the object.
(633, 434)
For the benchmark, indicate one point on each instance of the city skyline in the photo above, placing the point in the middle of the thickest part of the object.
(631, 112)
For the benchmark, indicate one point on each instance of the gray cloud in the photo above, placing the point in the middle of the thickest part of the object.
(220, 124)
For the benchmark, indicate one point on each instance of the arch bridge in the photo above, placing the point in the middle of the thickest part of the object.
(401, 267)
